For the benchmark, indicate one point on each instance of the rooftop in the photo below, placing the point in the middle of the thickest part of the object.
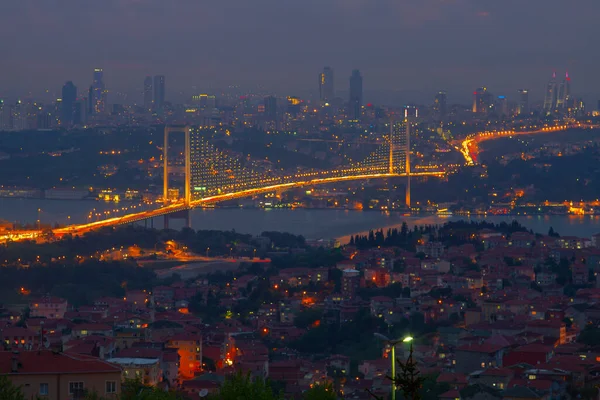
(48, 362)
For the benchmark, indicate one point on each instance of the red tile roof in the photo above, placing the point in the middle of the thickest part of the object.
(481, 348)
(451, 377)
(450, 394)
(48, 362)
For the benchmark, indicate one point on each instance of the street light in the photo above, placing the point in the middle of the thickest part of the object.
(207, 249)
(392, 344)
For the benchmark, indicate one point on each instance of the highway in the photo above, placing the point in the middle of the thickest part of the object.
(468, 146)
(181, 206)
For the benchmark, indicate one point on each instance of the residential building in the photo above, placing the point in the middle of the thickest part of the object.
(59, 376)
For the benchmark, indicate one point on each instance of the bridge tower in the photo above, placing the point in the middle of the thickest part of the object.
(187, 173)
(391, 167)
(407, 127)
(400, 152)
(187, 167)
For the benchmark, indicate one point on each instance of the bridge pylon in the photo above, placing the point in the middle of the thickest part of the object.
(187, 162)
(183, 214)
(407, 122)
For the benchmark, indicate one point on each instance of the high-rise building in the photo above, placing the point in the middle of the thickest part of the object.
(69, 97)
(350, 283)
(551, 94)
(523, 105)
(98, 92)
(482, 101)
(411, 111)
(148, 93)
(356, 95)
(90, 101)
(203, 100)
(440, 106)
(159, 92)
(501, 106)
(18, 116)
(79, 111)
(5, 116)
(294, 105)
(563, 99)
(326, 86)
(270, 104)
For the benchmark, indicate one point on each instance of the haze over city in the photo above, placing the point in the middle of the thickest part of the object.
(408, 46)
(299, 200)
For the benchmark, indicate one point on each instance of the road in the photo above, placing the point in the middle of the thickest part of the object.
(192, 270)
(468, 147)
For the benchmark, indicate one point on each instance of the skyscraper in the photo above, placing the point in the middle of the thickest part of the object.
(148, 93)
(563, 100)
(79, 111)
(90, 101)
(482, 100)
(69, 97)
(326, 87)
(523, 105)
(159, 92)
(294, 105)
(356, 95)
(270, 104)
(501, 106)
(439, 106)
(98, 95)
(551, 94)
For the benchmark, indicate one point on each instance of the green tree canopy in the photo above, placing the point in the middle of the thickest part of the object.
(240, 387)
(320, 392)
(9, 391)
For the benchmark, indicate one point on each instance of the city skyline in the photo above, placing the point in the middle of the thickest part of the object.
(444, 54)
(153, 87)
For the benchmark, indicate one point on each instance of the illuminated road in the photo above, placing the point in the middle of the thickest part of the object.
(180, 206)
(468, 147)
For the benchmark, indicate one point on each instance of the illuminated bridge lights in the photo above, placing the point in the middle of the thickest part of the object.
(217, 176)
(180, 206)
(474, 139)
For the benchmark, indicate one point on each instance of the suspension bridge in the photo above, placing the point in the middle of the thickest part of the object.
(213, 176)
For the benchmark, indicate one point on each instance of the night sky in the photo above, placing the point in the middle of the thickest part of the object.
(415, 46)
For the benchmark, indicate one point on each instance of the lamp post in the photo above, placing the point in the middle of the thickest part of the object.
(392, 343)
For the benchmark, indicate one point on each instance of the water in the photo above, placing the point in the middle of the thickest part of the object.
(313, 224)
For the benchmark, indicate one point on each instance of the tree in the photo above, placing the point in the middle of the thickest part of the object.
(240, 386)
(8, 391)
(306, 318)
(408, 379)
(135, 390)
(590, 336)
(320, 392)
